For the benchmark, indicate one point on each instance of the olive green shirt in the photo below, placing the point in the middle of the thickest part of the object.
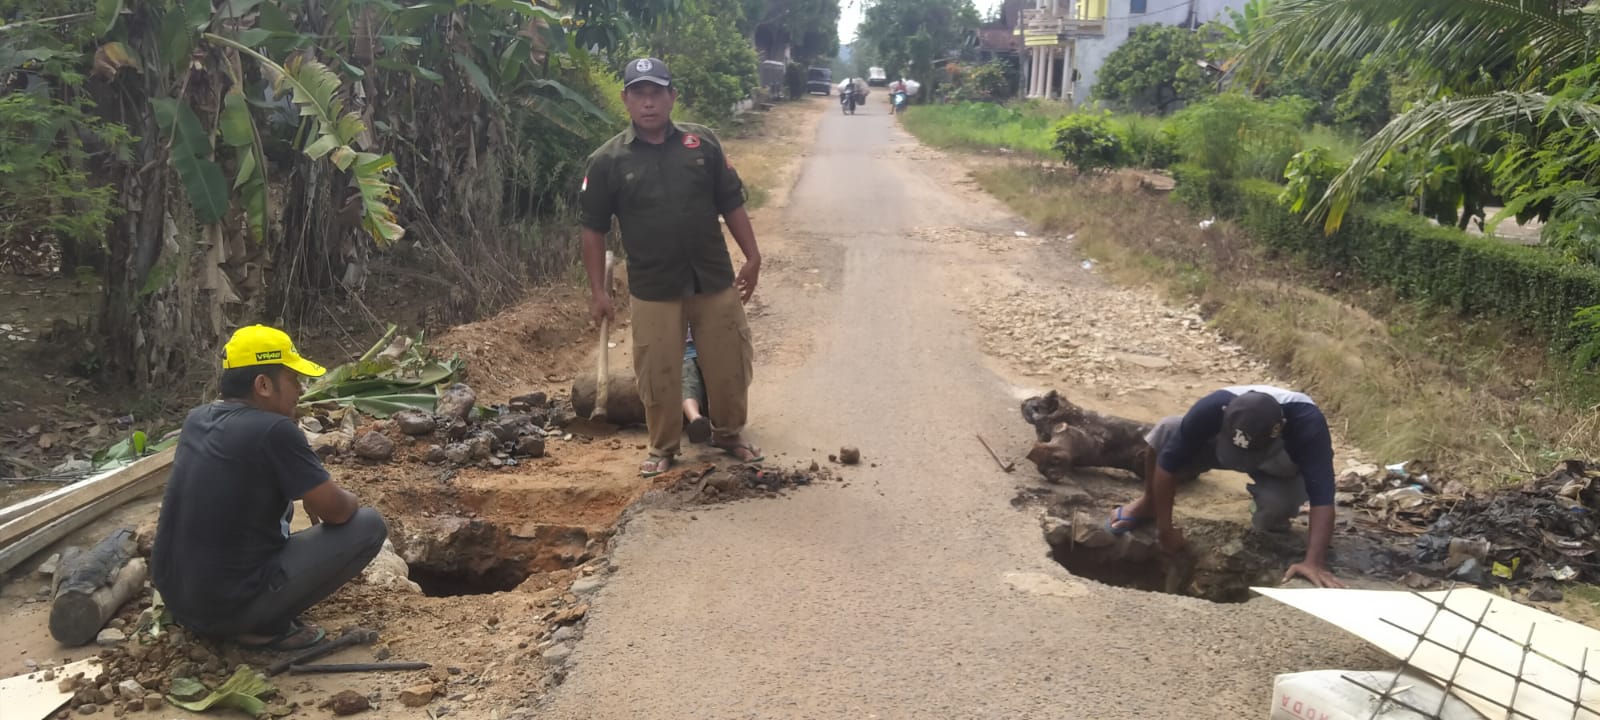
(667, 199)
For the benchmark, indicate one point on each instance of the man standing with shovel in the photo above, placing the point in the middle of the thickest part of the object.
(667, 184)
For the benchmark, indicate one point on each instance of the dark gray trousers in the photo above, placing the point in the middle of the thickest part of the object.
(313, 566)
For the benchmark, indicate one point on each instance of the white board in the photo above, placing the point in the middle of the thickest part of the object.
(31, 697)
(1471, 657)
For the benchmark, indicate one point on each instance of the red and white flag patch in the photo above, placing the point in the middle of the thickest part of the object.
(691, 141)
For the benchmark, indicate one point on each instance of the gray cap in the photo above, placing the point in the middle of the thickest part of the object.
(646, 70)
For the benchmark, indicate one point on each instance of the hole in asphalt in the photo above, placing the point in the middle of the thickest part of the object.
(450, 556)
(453, 582)
(1223, 562)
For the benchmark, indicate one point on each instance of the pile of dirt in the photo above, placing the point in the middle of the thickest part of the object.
(709, 484)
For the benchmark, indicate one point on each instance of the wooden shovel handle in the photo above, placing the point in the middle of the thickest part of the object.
(602, 391)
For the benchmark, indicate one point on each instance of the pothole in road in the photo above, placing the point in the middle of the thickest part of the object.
(453, 556)
(1223, 562)
(451, 583)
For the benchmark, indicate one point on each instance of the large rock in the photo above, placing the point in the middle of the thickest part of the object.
(530, 446)
(623, 406)
(414, 422)
(457, 402)
(417, 695)
(334, 443)
(374, 445)
(507, 428)
(389, 571)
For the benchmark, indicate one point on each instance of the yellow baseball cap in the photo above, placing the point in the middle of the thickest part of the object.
(262, 345)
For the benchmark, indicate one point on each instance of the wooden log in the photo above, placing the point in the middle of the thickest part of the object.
(623, 406)
(90, 587)
(14, 554)
(81, 494)
(1073, 437)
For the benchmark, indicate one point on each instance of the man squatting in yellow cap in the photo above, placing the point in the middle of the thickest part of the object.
(224, 559)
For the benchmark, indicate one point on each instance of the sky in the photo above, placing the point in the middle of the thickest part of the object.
(850, 15)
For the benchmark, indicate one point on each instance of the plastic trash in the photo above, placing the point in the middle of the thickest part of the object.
(1409, 497)
(1331, 695)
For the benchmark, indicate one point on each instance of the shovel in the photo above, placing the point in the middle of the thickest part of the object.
(595, 425)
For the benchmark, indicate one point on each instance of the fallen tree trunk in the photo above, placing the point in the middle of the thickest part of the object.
(90, 586)
(623, 406)
(1073, 437)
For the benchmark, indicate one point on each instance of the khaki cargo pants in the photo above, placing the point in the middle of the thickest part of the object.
(722, 337)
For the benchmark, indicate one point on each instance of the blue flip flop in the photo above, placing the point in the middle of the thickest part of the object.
(1137, 522)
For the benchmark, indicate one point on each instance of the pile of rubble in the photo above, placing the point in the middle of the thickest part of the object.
(457, 432)
(1539, 533)
(711, 484)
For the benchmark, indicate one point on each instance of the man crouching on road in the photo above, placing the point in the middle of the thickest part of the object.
(667, 184)
(224, 560)
(1278, 437)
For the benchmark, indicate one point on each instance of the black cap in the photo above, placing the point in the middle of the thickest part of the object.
(646, 70)
(1252, 431)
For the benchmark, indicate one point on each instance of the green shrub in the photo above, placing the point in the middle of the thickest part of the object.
(1235, 136)
(1473, 275)
(990, 82)
(1147, 140)
(46, 190)
(1088, 142)
(1308, 175)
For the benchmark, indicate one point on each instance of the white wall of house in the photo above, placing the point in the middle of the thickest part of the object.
(1120, 21)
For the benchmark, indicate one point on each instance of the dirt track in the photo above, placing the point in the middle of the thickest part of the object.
(917, 590)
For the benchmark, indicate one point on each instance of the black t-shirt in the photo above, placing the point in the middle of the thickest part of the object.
(227, 508)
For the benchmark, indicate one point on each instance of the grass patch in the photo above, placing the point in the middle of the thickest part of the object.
(1400, 380)
(1024, 128)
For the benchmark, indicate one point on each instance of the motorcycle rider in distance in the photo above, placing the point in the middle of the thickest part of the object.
(850, 93)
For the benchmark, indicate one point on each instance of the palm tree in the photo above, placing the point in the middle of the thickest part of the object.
(1500, 56)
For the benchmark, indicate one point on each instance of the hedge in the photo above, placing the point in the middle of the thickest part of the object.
(1474, 275)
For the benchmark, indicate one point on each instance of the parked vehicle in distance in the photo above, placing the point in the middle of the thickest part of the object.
(819, 81)
(876, 77)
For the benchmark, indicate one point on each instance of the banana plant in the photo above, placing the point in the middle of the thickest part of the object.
(316, 91)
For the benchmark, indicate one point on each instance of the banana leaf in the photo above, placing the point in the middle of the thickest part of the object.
(372, 378)
(128, 450)
(382, 406)
(242, 691)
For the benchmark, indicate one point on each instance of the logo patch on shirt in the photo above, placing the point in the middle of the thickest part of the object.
(691, 141)
(1241, 439)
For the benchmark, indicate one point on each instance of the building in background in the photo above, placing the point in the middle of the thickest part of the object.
(1065, 42)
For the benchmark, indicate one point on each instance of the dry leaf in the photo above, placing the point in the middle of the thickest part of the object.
(47, 441)
(112, 57)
